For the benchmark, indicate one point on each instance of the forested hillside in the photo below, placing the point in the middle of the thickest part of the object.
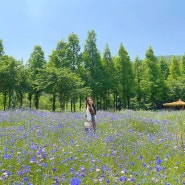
(69, 75)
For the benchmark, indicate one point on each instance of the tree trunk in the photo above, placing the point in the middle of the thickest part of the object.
(30, 98)
(9, 100)
(21, 97)
(74, 106)
(54, 102)
(80, 103)
(128, 103)
(114, 101)
(5, 100)
(71, 105)
(37, 99)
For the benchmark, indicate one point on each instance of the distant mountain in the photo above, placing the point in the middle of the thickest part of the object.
(169, 57)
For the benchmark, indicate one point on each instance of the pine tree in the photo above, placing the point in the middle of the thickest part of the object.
(93, 65)
(126, 76)
(36, 64)
(182, 65)
(153, 84)
(138, 71)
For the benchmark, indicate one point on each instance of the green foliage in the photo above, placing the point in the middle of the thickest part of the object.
(1, 49)
(92, 63)
(153, 83)
(113, 81)
(164, 67)
(174, 68)
(182, 65)
(126, 76)
(36, 64)
(138, 71)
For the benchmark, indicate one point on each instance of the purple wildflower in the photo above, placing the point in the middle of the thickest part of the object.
(123, 178)
(72, 170)
(159, 161)
(144, 164)
(25, 179)
(20, 172)
(140, 157)
(75, 181)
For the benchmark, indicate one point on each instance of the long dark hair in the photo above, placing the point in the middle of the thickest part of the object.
(92, 109)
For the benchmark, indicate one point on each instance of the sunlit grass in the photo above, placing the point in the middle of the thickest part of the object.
(132, 147)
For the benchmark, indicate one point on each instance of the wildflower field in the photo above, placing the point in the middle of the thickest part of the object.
(129, 147)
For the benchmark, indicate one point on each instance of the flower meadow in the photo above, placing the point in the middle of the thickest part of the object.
(129, 147)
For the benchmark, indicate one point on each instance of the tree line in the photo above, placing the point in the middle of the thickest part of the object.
(70, 75)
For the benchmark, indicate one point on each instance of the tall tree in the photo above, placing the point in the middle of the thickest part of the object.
(126, 76)
(36, 63)
(109, 73)
(61, 81)
(21, 82)
(175, 82)
(7, 76)
(182, 65)
(174, 68)
(93, 65)
(1, 49)
(138, 71)
(73, 52)
(51, 76)
(164, 67)
(153, 82)
(73, 56)
(61, 59)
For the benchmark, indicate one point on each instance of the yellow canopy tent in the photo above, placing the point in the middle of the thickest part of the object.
(175, 103)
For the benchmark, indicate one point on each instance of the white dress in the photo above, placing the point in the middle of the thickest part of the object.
(88, 115)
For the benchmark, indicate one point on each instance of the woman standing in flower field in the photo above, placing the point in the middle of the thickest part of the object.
(90, 115)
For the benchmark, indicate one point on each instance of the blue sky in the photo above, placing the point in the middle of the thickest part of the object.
(137, 24)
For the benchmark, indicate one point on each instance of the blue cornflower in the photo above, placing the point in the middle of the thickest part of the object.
(72, 141)
(75, 181)
(132, 179)
(26, 169)
(20, 172)
(140, 157)
(159, 161)
(72, 170)
(25, 179)
(144, 164)
(33, 159)
(82, 169)
(104, 168)
(33, 146)
(9, 173)
(56, 179)
(158, 168)
(122, 178)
